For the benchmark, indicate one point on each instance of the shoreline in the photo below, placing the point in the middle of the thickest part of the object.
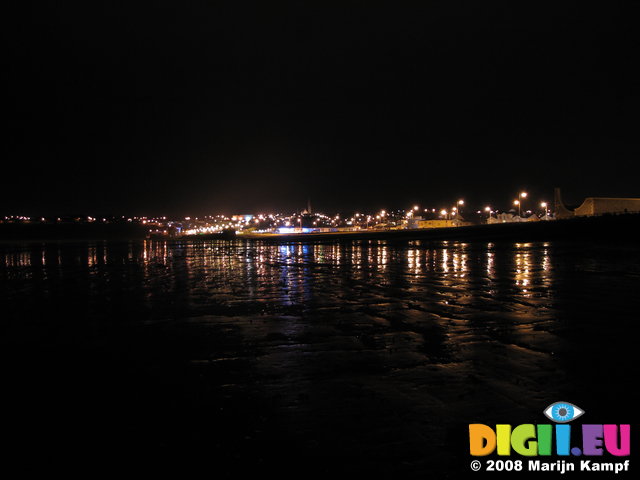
(611, 227)
(601, 228)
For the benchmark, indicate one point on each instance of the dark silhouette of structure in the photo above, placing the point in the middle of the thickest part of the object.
(595, 206)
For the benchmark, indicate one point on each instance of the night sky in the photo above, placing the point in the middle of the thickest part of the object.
(230, 107)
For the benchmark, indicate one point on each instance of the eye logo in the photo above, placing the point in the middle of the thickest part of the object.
(529, 440)
(562, 412)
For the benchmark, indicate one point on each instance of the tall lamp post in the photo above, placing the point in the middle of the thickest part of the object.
(546, 211)
(517, 203)
(523, 196)
(488, 210)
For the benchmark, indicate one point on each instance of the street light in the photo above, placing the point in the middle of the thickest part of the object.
(523, 195)
(544, 205)
(488, 209)
(460, 204)
(517, 202)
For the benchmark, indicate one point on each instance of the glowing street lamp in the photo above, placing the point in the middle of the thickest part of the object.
(544, 205)
(517, 202)
(488, 209)
(523, 196)
(460, 204)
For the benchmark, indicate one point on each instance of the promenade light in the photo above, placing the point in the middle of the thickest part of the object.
(544, 205)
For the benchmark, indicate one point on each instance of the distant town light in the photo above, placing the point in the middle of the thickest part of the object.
(517, 203)
(546, 211)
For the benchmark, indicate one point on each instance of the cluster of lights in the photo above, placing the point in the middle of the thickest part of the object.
(265, 223)
(519, 202)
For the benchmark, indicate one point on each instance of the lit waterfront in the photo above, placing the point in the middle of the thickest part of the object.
(364, 355)
(304, 221)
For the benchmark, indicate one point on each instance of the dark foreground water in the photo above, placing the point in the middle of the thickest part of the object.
(356, 357)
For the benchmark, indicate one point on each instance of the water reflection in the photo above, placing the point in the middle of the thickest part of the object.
(478, 313)
(267, 267)
(209, 276)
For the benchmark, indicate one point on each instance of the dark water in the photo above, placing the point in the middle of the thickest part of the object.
(356, 357)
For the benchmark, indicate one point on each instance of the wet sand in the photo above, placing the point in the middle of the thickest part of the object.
(364, 358)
